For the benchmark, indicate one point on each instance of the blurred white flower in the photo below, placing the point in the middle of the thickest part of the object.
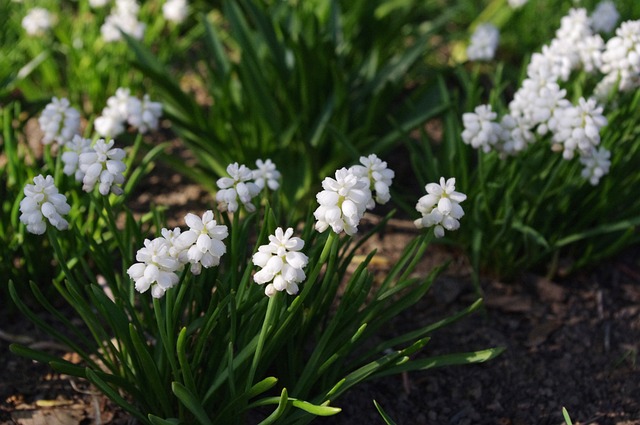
(440, 207)
(71, 156)
(111, 122)
(237, 187)
(202, 242)
(515, 4)
(103, 164)
(484, 42)
(377, 176)
(98, 3)
(41, 201)
(37, 21)
(604, 17)
(342, 202)
(578, 127)
(175, 10)
(156, 268)
(59, 121)
(481, 130)
(281, 263)
(590, 50)
(143, 115)
(596, 164)
(515, 135)
(621, 60)
(124, 18)
(266, 175)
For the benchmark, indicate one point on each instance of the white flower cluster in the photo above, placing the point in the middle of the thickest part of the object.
(595, 165)
(244, 184)
(37, 21)
(123, 18)
(59, 121)
(160, 260)
(540, 104)
(175, 10)
(345, 199)
(281, 263)
(41, 201)
(440, 207)
(71, 156)
(103, 165)
(621, 61)
(124, 108)
(484, 42)
(374, 171)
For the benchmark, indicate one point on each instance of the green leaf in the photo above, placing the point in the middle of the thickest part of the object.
(155, 420)
(318, 410)
(384, 415)
(190, 401)
(282, 405)
(114, 395)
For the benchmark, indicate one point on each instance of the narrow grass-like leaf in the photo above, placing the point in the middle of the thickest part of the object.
(190, 401)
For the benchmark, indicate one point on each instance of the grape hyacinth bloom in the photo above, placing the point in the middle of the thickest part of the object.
(578, 127)
(604, 17)
(71, 156)
(41, 201)
(481, 131)
(621, 60)
(202, 242)
(236, 187)
(143, 114)
(342, 202)
(440, 207)
(59, 121)
(516, 4)
(375, 172)
(119, 106)
(175, 10)
(281, 263)
(596, 165)
(156, 268)
(103, 165)
(266, 175)
(484, 42)
(124, 18)
(37, 21)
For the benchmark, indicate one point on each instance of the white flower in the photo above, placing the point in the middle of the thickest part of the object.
(98, 3)
(103, 164)
(515, 4)
(111, 122)
(71, 156)
(175, 10)
(377, 176)
(281, 263)
(590, 50)
(43, 200)
(144, 115)
(59, 121)
(237, 187)
(578, 127)
(266, 175)
(342, 202)
(37, 21)
(202, 242)
(596, 164)
(604, 17)
(124, 19)
(156, 268)
(621, 60)
(515, 136)
(440, 207)
(480, 129)
(484, 42)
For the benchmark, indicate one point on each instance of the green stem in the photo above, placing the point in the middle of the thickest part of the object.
(266, 327)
